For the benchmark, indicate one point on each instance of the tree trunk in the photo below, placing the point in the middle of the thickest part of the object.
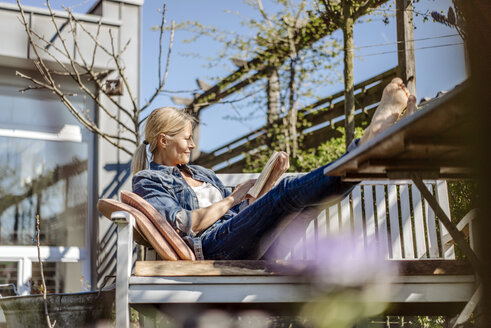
(349, 97)
(273, 110)
(292, 113)
(273, 92)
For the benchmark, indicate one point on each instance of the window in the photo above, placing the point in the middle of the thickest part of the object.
(43, 159)
(44, 170)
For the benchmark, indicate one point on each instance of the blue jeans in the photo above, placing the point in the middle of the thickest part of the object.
(239, 237)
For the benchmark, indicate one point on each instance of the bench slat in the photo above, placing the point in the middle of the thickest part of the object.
(218, 268)
(357, 215)
(431, 226)
(284, 268)
(442, 198)
(382, 237)
(322, 224)
(346, 215)
(407, 230)
(418, 223)
(369, 213)
(333, 219)
(395, 236)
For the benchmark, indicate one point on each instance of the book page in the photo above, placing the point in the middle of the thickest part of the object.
(263, 177)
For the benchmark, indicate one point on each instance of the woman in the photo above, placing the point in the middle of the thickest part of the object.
(220, 224)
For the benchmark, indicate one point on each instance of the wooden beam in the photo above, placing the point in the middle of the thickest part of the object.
(384, 164)
(405, 43)
(457, 236)
(203, 85)
(364, 99)
(314, 116)
(181, 100)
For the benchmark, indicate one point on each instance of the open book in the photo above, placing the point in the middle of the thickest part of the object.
(263, 177)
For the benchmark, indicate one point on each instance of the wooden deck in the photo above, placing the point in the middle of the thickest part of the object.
(422, 287)
(208, 268)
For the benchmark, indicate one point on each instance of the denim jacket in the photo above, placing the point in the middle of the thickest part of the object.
(165, 189)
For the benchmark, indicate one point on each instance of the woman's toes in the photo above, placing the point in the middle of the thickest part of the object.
(411, 106)
(397, 80)
(406, 90)
(396, 94)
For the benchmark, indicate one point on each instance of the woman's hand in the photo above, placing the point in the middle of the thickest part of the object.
(281, 166)
(240, 192)
(204, 217)
(283, 163)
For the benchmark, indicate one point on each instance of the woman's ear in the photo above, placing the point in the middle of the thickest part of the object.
(163, 140)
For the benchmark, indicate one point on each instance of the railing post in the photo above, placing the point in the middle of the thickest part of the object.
(24, 269)
(125, 222)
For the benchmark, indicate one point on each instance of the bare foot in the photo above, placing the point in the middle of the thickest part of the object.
(394, 99)
(411, 106)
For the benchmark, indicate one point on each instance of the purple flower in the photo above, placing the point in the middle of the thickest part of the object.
(345, 261)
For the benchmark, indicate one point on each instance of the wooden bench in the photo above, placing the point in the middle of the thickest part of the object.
(430, 280)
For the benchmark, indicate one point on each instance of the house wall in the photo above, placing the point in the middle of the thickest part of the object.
(107, 167)
(114, 164)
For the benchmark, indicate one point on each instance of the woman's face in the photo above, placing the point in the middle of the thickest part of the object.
(177, 148)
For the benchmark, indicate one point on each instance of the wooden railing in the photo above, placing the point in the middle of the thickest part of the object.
(230, 157)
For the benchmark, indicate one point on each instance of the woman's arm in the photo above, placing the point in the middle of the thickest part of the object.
(204, 217)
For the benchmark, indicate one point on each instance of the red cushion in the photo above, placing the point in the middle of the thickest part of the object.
(172, 237)
(158, 242)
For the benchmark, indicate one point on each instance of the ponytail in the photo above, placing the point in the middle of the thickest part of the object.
(139, 161)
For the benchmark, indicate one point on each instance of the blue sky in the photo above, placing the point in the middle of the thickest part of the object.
(437, 68)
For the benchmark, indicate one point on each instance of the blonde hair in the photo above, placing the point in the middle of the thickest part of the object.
(167, 120)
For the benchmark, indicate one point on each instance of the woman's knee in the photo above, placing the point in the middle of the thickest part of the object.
(286, 192)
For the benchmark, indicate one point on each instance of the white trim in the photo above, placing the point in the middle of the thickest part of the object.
(278, 289)
(24, 274)
(48, 253)
(67, 133)
(129, 2)
(89, 18)
(25, 255)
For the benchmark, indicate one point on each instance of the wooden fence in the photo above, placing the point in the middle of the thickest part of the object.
(324, 116)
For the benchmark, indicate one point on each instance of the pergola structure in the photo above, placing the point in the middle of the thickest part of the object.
(261, 66)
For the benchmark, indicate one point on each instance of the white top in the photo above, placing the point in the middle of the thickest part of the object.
(207, 194)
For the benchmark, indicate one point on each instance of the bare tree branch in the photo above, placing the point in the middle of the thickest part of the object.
(160, 41)
(263, 13)
(364, 8)
(30, 87)
(91, 126)
(96, 44)
(86, 67)
(85, 89)
(121, 72)
(55, 60)
(45, 301)
(162, 82)
(94, 75)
